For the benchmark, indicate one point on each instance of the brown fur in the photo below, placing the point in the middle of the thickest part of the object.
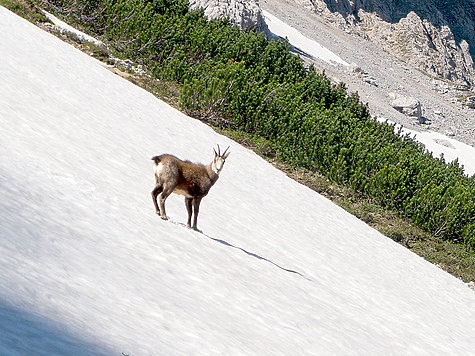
(172, 175)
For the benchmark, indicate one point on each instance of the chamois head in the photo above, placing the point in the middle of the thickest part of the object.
(219, 159)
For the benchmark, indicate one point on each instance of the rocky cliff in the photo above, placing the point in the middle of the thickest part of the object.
(436, 36)
(245, 14)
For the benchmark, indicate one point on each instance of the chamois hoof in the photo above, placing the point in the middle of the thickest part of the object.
(164, 217)
(192, 228)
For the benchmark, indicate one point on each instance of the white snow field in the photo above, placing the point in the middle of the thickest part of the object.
(301, 42)
(87, 268)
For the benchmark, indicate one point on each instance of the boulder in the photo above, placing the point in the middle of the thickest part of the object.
(246, 14)
(408, 106)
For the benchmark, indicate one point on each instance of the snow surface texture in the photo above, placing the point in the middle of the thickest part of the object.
(87, 268)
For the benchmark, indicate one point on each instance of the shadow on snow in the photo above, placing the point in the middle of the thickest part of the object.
(252, 254)
(28, 333)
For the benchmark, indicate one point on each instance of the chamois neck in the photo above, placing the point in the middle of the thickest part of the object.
(213, 168)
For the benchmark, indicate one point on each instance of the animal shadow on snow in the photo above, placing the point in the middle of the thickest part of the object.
(252, 254)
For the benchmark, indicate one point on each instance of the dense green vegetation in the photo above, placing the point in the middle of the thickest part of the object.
(241, 81)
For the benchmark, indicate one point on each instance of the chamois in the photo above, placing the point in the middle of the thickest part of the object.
(185, 178)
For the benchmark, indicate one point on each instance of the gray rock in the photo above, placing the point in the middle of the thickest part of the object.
(470, 102)
(355, 68)
(246, 14)
(408, 106)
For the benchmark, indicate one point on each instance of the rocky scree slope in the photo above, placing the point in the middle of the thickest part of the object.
(435, 36)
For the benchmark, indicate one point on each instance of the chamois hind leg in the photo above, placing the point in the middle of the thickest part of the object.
(196, 210)
(188, 202)
(167, 190)
(157, 190)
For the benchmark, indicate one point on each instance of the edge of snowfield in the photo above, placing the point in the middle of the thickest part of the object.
(87, 268)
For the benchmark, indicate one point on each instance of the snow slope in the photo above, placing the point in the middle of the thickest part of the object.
(87, 268)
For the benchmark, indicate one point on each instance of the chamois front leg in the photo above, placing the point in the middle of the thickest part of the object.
(188, 202)
(196, 210)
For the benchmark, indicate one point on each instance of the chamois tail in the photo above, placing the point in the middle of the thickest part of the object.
(156, 159)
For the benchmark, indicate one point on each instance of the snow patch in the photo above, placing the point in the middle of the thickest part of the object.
(64, 27)
(300, 42)
(438, 144)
